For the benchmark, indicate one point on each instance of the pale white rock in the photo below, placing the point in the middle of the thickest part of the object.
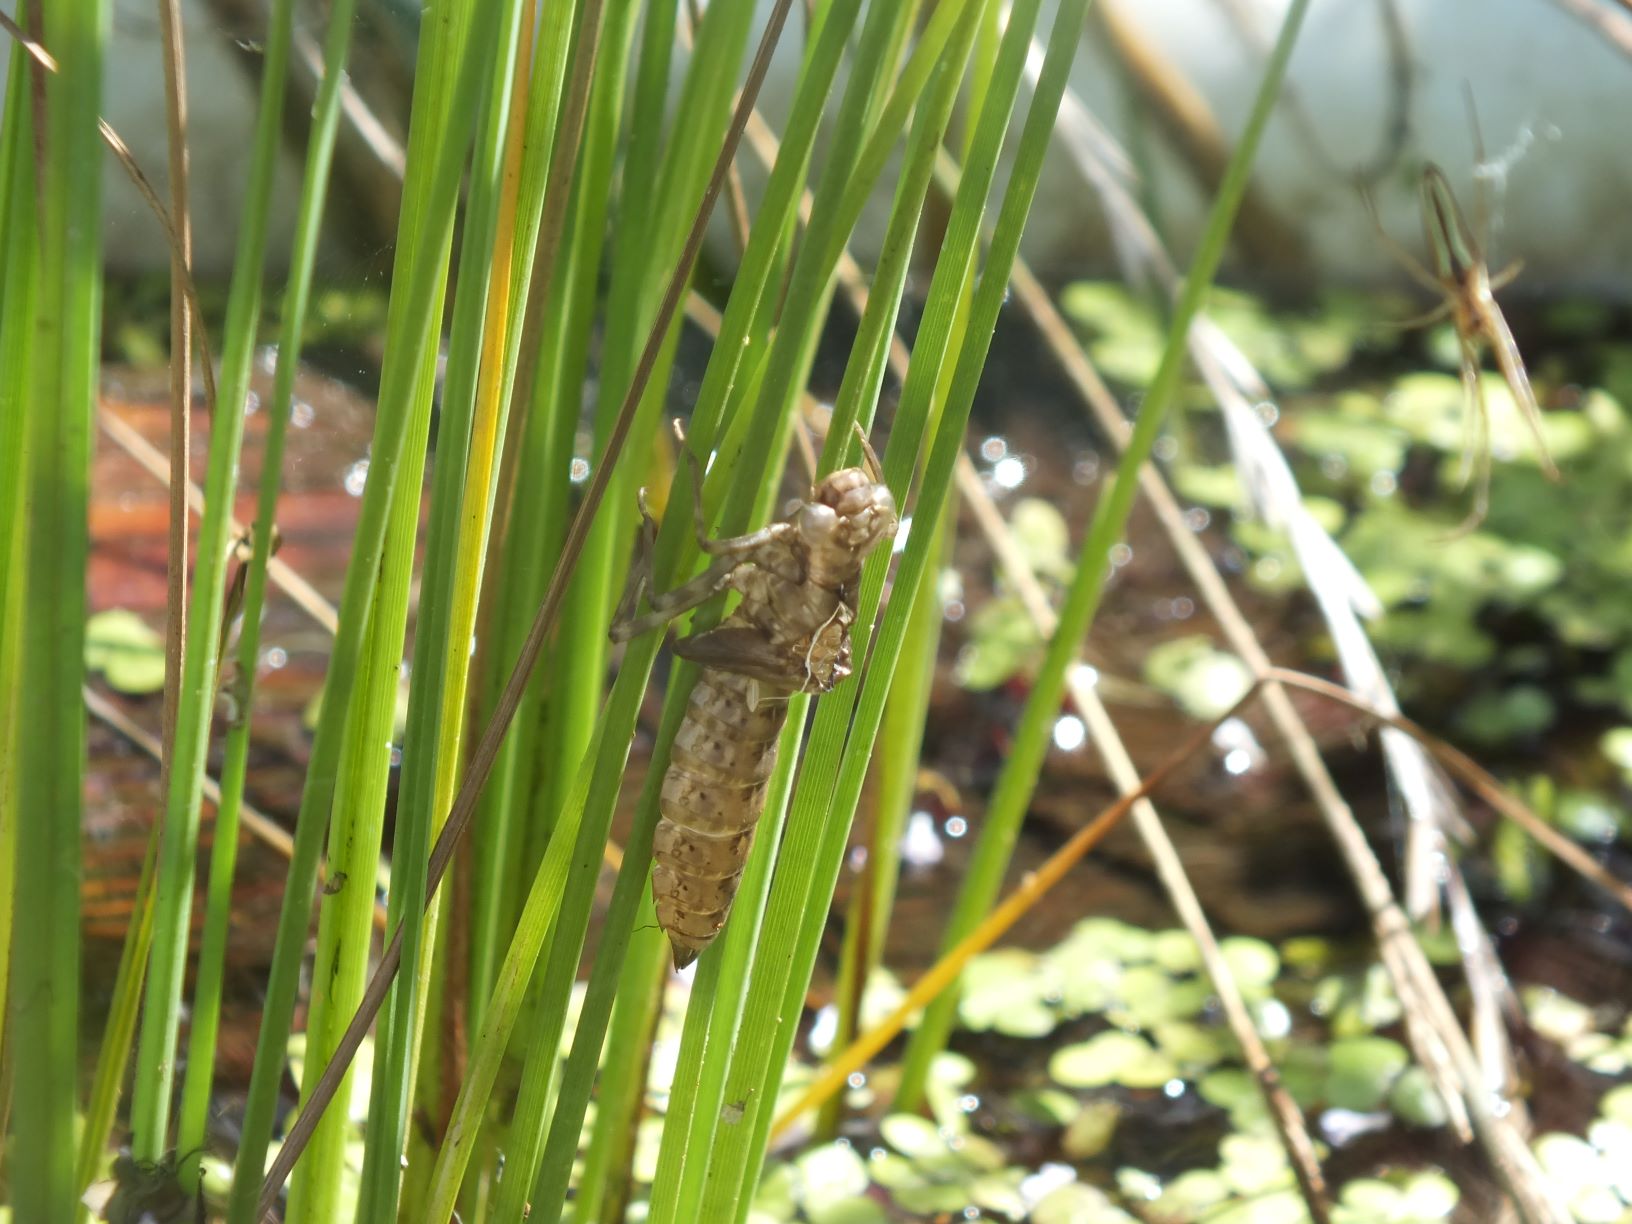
(1554, 100)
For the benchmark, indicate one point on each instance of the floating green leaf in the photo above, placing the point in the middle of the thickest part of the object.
(1616, 744)
(1042, 536)
(1078, 1204)
(1588, 816)
(914, 1137)
(1416, 1102)
(1617, 1104)
(1050, 1106)
(1009, 991)
(1555, 1015)
(119, 644)
(1234, 1090)
(1111, 1058)
(1363, 445)
(1193, 1194)
(1362, 1070)
(1218, 487)
(1420, 1198)
(1003, 640)
(1254, 963)
(1091, 1131)
(1354, 1004)
(1203, 679)
(1191, 1045)
(1176, 952)
(1145, 996)
(1253, 1164)
(829, 1177)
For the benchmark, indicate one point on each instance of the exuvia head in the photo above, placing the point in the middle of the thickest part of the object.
(847, 510)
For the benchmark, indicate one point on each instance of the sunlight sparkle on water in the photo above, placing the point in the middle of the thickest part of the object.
(1274, 1019)
(301, 414)
(1070, 733)
(1009, 472)
(275, 658)
(956, 826)
(356, 478)
(1241, 749)
(578, 470)
(824, 1028)
(993, 449)
(921, 844)
(1173, 1089)
(1045, 1181)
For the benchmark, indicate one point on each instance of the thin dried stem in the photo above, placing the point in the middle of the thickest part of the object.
(1536, 1199)
(259, 825)
(1614, 26)
(1433, 1030)
(993, 927)
(1477, 779)
(1432, 1026)
(304, 595)
(1175, 881)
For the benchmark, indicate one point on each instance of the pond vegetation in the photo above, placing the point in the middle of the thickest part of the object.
(449, 993)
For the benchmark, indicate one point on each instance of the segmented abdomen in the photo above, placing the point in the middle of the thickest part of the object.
(711, 800)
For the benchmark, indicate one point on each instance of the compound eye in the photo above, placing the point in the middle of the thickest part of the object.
(817, 521)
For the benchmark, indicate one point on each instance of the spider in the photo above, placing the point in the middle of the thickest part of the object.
(1459, 273)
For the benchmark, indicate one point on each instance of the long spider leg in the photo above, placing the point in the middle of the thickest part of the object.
(1474, 419)
(1413, 266)
(1476, 448)
(1509, 274)
(1426, 319)
(1511, 363)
